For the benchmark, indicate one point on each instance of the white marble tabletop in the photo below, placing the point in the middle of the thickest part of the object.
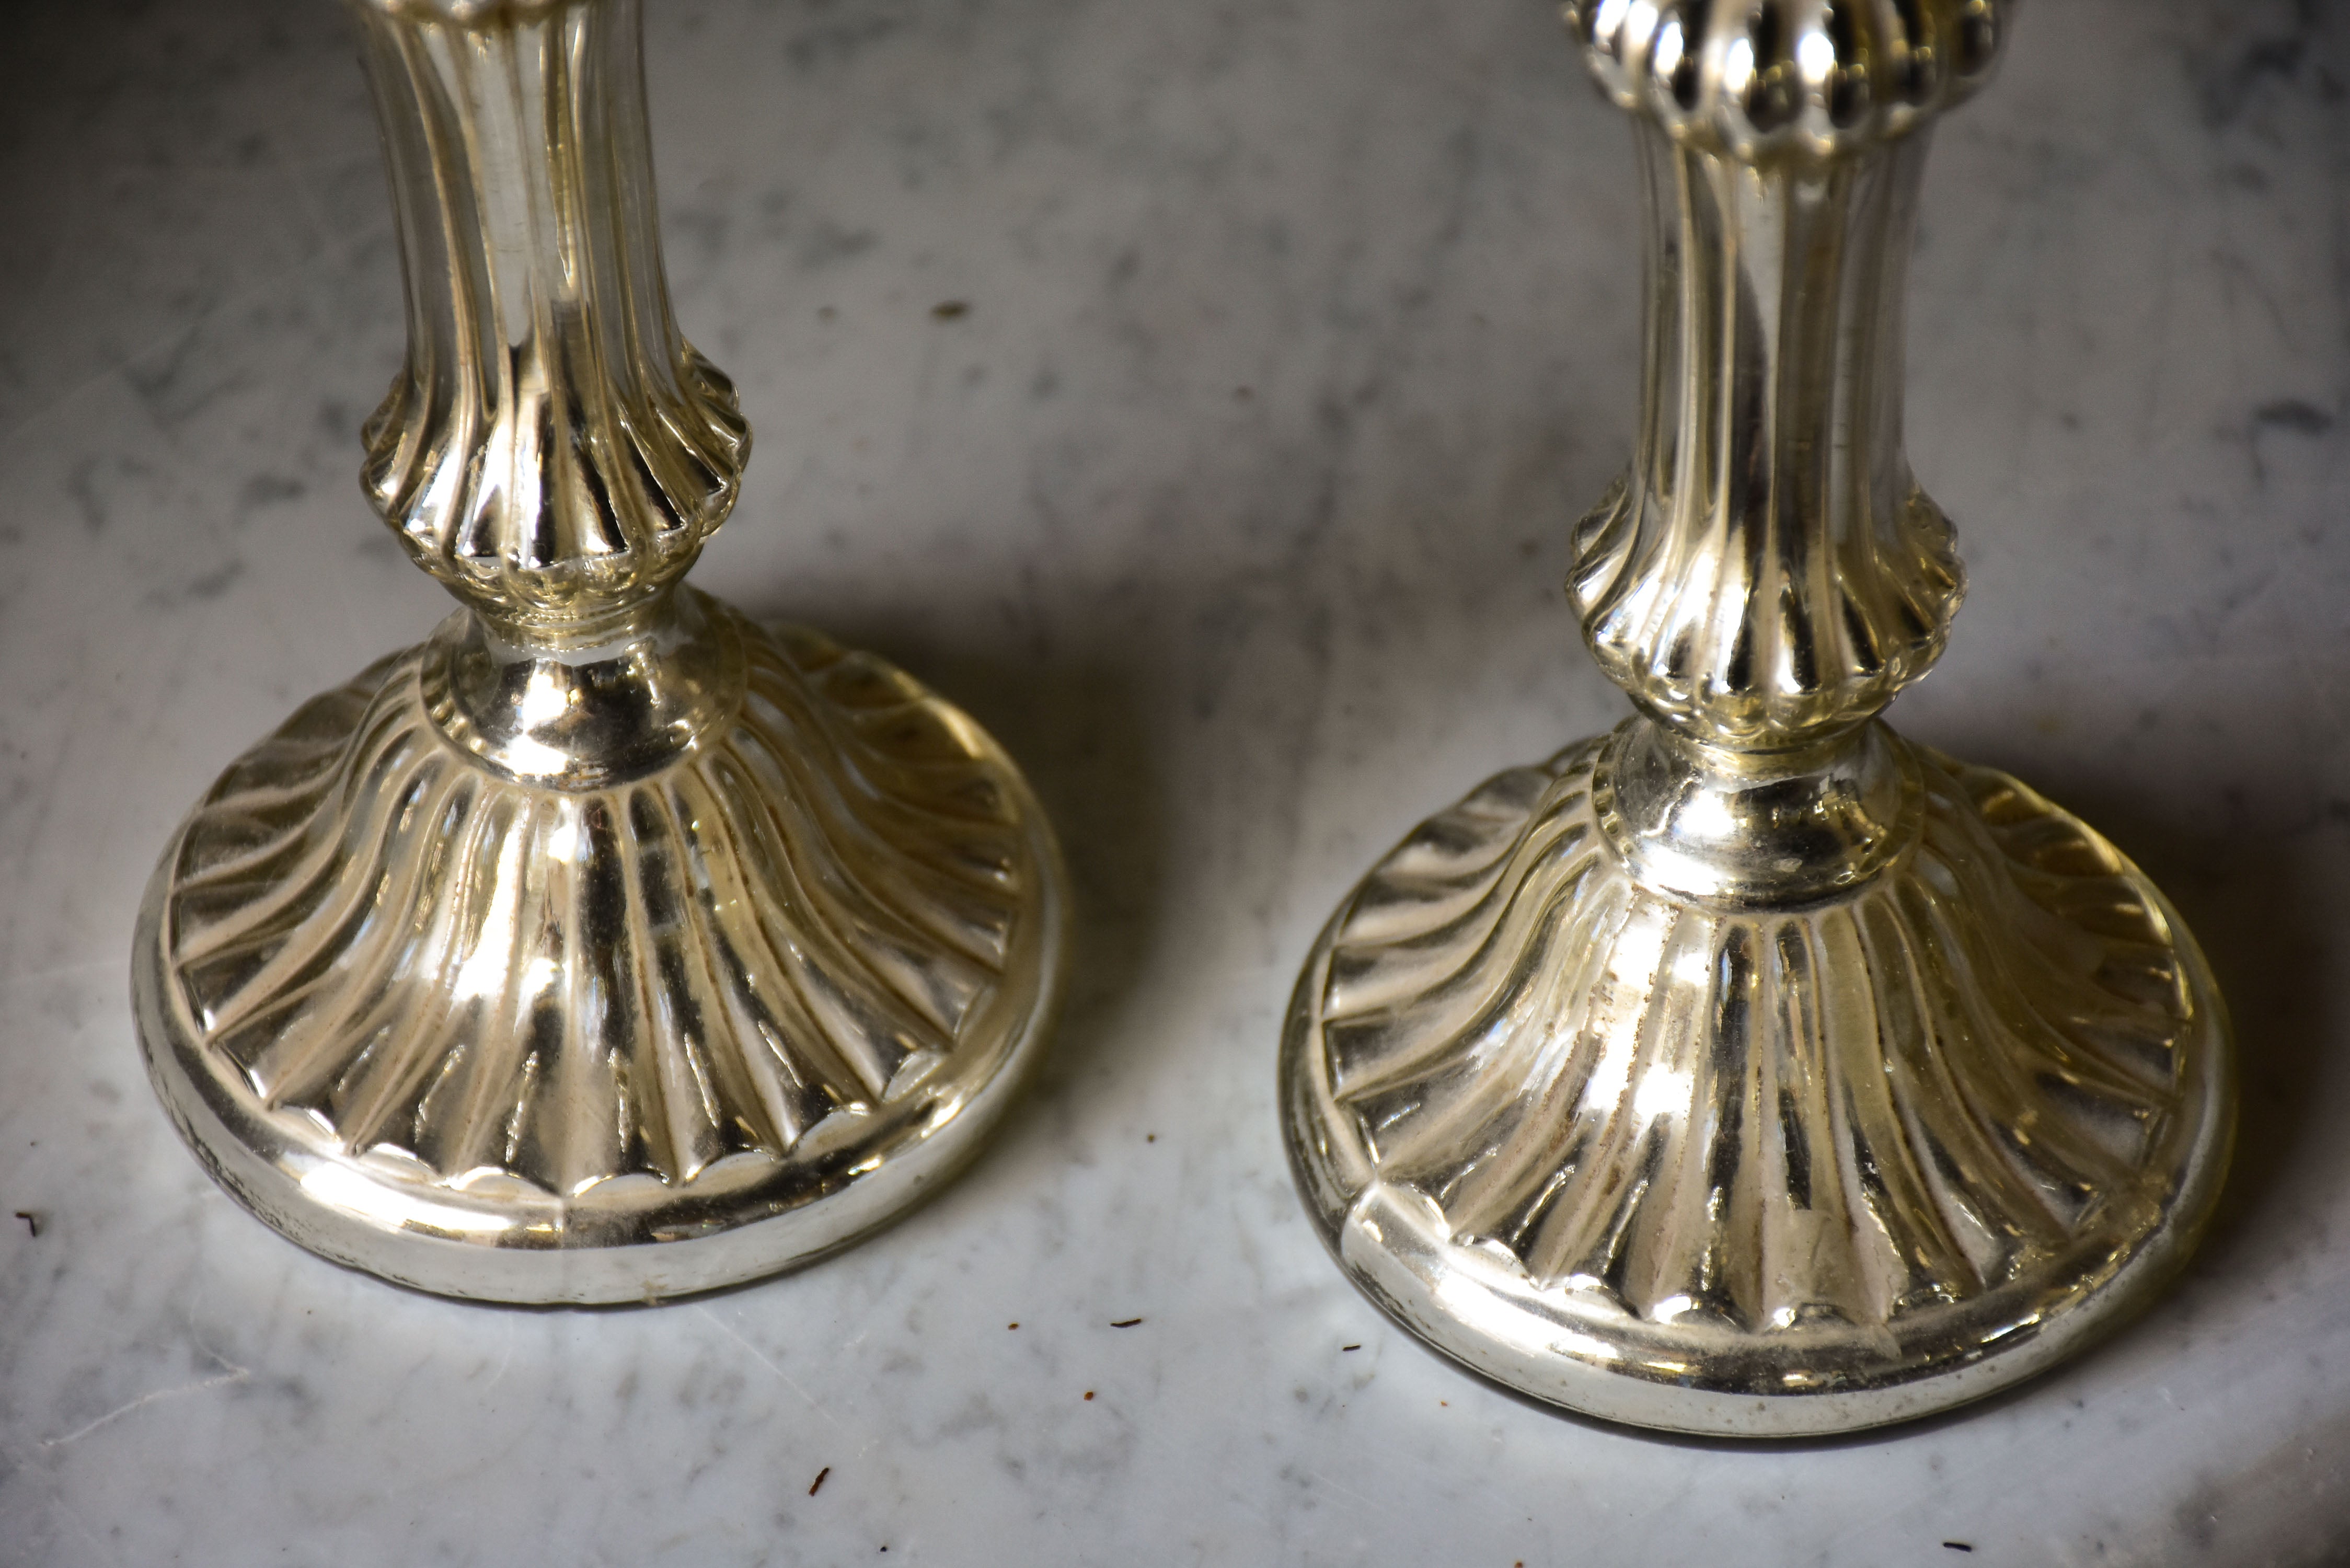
(1235, 502)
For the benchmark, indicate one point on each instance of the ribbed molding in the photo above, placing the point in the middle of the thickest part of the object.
(1763, 79)
(1756, 1151)
(798, 942)
(1768, 570)
(554, 451)
(1852, 1186)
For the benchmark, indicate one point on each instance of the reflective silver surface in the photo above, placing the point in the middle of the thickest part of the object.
(606, 946)
(1750, 1071)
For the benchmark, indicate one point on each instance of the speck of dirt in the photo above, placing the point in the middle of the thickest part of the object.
(1126, 1322)
(1089, 1393)
(1012, 1325)
(1350, 1347)
(819, 1479)
(31, 1221)
(952, 310)
(1957, 1545)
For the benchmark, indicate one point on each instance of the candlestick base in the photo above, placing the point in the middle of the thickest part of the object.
(1726, 1165)
(724, 1004)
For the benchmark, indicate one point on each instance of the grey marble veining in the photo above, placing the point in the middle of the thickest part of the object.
(1234, 500)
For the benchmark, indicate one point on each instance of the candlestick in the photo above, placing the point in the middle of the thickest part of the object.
(1751, 1070)
(606, 946)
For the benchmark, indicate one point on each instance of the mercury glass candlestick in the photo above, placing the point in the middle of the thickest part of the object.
(606, 946)
(1750, 1070)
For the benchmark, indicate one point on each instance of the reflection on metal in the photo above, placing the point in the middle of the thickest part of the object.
(1751, 1071)
(606, 946)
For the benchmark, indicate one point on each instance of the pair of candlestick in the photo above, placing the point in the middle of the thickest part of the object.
(1747, 1070)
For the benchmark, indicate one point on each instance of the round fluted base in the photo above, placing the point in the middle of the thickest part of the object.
(1753, 1171)
(501, 1040)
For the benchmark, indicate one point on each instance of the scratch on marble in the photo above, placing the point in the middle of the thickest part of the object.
(504, 1361)
(1345, 1491)
(74, 1517)
(233, 1374)
(756, 1354)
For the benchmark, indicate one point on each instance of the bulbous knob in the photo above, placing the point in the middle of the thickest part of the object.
(1755, 78)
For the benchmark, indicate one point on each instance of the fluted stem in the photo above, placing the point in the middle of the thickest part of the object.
(1769, 573)
(554, 451)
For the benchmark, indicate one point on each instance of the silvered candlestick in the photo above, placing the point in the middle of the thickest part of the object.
(606, 946)
(1750, 1070)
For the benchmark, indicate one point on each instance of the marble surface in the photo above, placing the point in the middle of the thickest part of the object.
(1235, 503)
